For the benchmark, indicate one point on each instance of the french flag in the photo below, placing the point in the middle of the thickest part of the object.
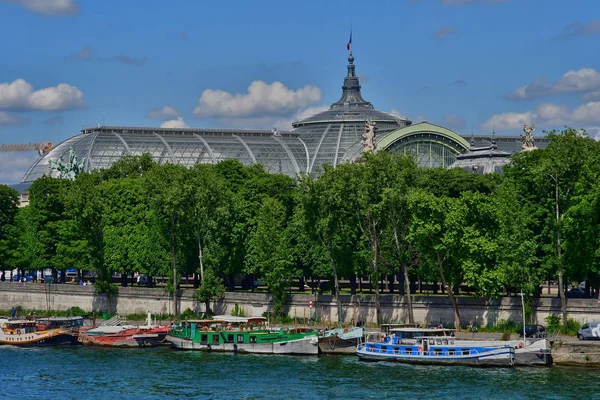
(349, 42)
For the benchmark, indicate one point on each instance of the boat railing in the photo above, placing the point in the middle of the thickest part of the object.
(114, 321)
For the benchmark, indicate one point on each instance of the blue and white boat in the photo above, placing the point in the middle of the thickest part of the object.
(435, 350)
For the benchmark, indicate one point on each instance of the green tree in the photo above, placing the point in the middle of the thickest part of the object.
(164, 186)
(268, 251)
(437, 231)
(9, 209)
(212, 287)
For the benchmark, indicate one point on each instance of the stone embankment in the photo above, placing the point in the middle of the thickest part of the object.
(430, 310)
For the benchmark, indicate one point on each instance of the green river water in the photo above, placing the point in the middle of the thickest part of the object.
(159, 373)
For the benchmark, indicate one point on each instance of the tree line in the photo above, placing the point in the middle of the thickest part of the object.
(378, 218)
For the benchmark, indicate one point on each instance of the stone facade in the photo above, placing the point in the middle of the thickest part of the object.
(430, 310)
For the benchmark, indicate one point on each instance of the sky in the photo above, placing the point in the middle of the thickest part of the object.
(469, 65)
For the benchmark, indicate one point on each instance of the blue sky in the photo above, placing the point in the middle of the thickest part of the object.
(465, 64)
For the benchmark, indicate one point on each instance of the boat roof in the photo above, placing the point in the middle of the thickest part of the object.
(229, 319)
(424, 330)
(19, 322)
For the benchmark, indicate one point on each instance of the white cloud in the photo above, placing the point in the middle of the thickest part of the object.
(593, 132)
(465, 2)
(11, 119)
(48, 7)
(591, 96)
(13, 165)
(443, 32)
(130, 60)
(262, 99)
(164, 113)
(19, 95)
(549, 115)
(583, 80)
(579, 29)
(454, 122)
(269, 122)
(174, 123)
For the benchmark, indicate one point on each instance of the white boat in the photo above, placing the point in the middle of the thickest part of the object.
(435, 350)
(527, 352)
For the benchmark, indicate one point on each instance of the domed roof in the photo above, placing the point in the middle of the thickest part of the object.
(351, 106)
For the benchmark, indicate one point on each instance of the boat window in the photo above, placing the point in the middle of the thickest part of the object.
(438, 341)
(396, 350)
(215, 339)
(451, 352)
(437, 352)
(240, 338)
(204, 339)
(444, 341)
(383, 349)
(252, 339)
(408, 350)
(465, 352)
(431, 342)
(230, 338)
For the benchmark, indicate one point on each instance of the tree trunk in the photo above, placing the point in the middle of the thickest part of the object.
(411, 316)
(337, 288)
(375, 246)
(450, 292)
(561, 287)
(200, 256)
(207, 306)
(353, 284)
(174, 261)
(123, 279)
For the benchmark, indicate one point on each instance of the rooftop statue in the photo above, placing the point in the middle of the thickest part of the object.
(369, 141)
(527, 138)
(71, 168)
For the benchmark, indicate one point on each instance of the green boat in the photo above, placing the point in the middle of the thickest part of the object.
(241, 335)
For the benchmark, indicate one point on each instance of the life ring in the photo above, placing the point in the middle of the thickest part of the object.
(521, 345)
(345, 330)
(420, 349)
(382, 337)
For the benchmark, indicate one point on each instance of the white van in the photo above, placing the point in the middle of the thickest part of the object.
(589, 330)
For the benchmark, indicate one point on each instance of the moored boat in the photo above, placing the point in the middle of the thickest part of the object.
(341, 340)
(27, 333)
(124, 335)
(435, 350)
(527, 352)
(240, 335)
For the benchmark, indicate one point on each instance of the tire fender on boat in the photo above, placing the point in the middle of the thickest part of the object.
(521, 345)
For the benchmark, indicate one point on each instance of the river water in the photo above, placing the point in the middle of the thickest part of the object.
(159, 373)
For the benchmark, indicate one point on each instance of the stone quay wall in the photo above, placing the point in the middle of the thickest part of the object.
(430, 310)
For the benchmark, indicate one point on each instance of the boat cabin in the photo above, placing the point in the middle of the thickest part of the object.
(18, 327)
(403, 334)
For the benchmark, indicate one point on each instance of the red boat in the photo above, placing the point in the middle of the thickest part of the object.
(124, 335)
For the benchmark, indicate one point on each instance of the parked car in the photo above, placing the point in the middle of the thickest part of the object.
(589, 330)
(533, 331)
(258, 283)
(577, 293)
(142, 280)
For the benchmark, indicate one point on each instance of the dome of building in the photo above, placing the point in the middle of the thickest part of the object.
(331, 136)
